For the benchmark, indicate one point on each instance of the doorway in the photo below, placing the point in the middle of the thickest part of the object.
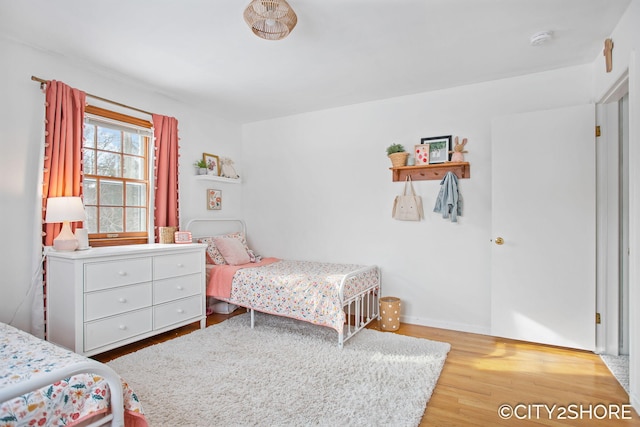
(613, 222)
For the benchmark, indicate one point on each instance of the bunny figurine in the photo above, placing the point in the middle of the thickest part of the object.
(226, 169)
(458, 150)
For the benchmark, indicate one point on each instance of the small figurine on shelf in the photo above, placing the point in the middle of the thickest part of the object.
(227, 170)
(458, 150)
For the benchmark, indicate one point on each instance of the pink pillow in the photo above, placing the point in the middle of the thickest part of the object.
(213, 254)
(233, 250)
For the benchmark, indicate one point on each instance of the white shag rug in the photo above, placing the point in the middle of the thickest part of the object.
(283, 373)
(619, 367)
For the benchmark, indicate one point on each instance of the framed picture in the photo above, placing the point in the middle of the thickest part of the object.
(421, 154)
(213, 164)
(214, 199)
(439, 148)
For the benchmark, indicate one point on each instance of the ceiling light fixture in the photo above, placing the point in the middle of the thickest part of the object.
(540, 38)
(270, 19)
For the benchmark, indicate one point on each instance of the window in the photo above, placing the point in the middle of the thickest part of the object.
(116, 181)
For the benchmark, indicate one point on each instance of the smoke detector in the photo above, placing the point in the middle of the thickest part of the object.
(540, 38)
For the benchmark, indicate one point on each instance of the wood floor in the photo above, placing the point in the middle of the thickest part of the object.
(482, 373)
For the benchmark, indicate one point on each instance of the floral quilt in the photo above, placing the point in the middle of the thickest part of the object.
(301, 290)
(67, 402)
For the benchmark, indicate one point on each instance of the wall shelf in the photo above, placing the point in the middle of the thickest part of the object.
(435, 171)
(218, 178)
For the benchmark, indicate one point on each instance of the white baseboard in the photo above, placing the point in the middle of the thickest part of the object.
(461, 327)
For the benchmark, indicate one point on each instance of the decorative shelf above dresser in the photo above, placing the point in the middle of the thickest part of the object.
(435, 171)
(218, 178)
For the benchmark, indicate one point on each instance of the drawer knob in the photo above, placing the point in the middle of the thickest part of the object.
(180, 265)
(179, 288)
(180, 310)
(122, 273)
(122, 300)
(122, 327)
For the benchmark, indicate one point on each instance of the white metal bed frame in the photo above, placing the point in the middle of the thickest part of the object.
(43, 379)
(360, 309)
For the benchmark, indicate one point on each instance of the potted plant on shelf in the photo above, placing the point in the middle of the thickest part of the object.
(201, 167)
(397, 155)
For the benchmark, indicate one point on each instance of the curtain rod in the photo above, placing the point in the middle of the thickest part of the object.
(37, 79)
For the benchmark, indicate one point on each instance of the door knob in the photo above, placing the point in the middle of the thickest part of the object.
(499, 240)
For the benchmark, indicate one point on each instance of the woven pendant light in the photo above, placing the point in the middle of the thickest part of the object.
(270, 19)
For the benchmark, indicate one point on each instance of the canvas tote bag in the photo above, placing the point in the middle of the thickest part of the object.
(408, 207)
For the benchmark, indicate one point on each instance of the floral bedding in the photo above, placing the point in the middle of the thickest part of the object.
(67, 402)
(303, 290)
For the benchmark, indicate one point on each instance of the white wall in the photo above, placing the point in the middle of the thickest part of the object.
(318, 187)
(21, 127)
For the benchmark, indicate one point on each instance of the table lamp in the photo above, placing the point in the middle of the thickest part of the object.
(65, 210)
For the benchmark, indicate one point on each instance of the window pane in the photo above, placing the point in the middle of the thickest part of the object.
(136, 194)
(109, 139)
(89, 161)
(111, 193)
(133, 167)
(133, 144)
(111, 220)
(89, 136)
(109, 164)
(89, 191)
(92, 219)
(136, 219)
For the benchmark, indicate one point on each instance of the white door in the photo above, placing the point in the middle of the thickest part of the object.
(543, 209)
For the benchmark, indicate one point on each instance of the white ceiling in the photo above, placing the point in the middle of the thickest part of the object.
(341, 52)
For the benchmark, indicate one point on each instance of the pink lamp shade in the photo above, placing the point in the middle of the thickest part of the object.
(65, 210)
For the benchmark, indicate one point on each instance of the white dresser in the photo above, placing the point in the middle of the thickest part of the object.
(104, 298)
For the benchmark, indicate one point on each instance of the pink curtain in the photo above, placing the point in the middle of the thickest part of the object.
(62, 175)
(166, 172)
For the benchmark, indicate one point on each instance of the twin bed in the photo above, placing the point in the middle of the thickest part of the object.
(344, 297)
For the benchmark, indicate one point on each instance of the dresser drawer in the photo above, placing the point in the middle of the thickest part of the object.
(110, 274)
(118, 300)
(113, 329)
(176, 288)
(177, 311)
(173, 265)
